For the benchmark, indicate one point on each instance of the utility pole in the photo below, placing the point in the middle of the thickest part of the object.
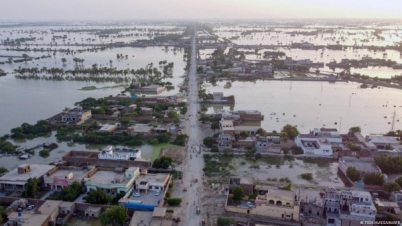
(340, 126)
(350, 100)
(393, 122)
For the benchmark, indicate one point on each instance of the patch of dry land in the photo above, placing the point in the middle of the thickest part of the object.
(176, 153)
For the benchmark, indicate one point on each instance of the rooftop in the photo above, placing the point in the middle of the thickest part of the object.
(382, 139)
(106, 177)
(49, 207)
(31, 219)
(154, 178)
(107, 127)
(362, 164)
(246, 180)
(309, 196)
(141, 218)
(78, 174)
(142, 128)
(159, 212)
(280, 194)
(36, 171)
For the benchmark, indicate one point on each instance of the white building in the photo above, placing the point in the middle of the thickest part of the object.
(267, 68)
(218, 96)
(152, 182)
(126, 154)
(319, 141)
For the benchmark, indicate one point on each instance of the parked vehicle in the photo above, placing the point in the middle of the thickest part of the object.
(249, 204)
(31, 207)
(136, 194)
(157, 193)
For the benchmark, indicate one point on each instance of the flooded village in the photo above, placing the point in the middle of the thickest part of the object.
(223, 123)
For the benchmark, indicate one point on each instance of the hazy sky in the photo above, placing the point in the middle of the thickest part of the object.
(40, 10)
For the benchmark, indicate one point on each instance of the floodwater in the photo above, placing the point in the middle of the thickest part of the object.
(310, 105)
(11, 162)
(31, 100)
(342, 36)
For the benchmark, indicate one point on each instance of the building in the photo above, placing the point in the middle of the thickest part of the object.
(16, 179)
(142, 129)
(93, 211)
(152, 182)
(319, 141)
(311, 207)
(226, 126)
(112, 180)
(386, 207)
(91, 158)
(348, 207)
(249, 115)
(27, 219)
(76, 115)
(267, 68)
(225, 141)
(107, 128)
(247, 183)
(161, 130)
(62, 176)
(153, 89)
(126, 154)
(252, 130)
(364, 165)
(234, 70)
(383, 142)
(146, 111)
(50, 208)
(218, 96)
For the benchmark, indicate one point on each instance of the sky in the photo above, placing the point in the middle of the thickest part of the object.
(80, 10)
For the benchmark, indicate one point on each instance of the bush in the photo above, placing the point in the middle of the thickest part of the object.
(44, 153)
(225, 221)
(307, 176)
(374, 179)
(173, 201)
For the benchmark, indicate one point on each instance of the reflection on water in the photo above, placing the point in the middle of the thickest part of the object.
(316, 104)
(12, 162)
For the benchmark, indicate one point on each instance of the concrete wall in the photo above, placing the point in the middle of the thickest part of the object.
(268, 211)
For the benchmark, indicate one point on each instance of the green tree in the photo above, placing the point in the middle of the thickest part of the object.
(355, 129)
(64, 60)
(116, 215)
(215, 126)
(291, 131)
(156, 163)
(399, 181)
(209, 142)
(3, 170)
(244, 134)
(261, 132)
(238, 193)
(284, 137)
(125, 122)
(173, 115)
(353, 173)
(173, 201)
(391, 186)
(31, 188)
(225, 221)
(183, 110)
(98, 197)
(70, 193)
(374, 179)
(1, 214)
